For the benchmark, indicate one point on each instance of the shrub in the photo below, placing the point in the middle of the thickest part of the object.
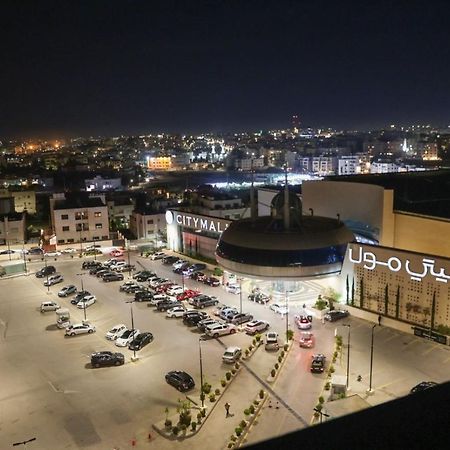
(217, 391)
(250, 348)
(319, 406)
(247, 352)
(290, 335)
(282, 353)
(228, 376)
(185, 419)
(223, 383)
(193, 426)
(339, 340)
(321, 400)
(285, 347)
(168, 423)
(233, 438)
(256, 402)
(258, 337)
(316, 414)
(342, 395)
(273, 372)
(230, 444)
(243, 424)
(335, 354)
(237, 365)
(280, 358)
(246, 411)
(203, 412)
(238, 431)
(233, 371)
(332, 369)
(261, 393)
(206, 388)
(212, 398)
(199, 417)
(251, 409)
(254, 341)
(183, 427)
(202, 396)
(277, 366)
(175, 430)
(327, 386)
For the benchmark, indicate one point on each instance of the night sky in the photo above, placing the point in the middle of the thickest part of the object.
(105, 67)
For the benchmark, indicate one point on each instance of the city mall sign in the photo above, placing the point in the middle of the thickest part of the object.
(417, 271)
(197, 223)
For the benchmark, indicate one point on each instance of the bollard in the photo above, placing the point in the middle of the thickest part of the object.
(133, 442)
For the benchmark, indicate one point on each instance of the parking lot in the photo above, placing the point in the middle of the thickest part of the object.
(50, 391)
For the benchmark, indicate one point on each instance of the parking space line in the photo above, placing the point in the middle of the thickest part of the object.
(429, 350)
(446, 360)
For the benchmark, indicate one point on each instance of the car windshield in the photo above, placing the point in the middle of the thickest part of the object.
(126, 334)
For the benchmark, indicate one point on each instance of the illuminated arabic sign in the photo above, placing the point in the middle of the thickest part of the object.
(198, 223)
(394, 264)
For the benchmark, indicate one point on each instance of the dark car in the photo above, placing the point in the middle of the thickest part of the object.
(36, 251)
(95, 269)
(180, 380)
(166, 304)
(201, 301)
(47, 270)
(181, 268)
(259, 297)
(240, 318)
(102, 272)
(318, 363)
(80, 295)
(112, 276)
(192, 319)
(424, 385)
(90, 264)
(141, 340)
(211, 281)
(100, 359)
(199, 276)
(143, 296)
(144, 275)
(169, 260)
(67, 290)
(334, 315)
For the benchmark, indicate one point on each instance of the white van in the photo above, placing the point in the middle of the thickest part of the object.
(49, 306)
(54, 279)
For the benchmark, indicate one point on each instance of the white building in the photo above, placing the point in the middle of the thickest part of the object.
(147, 224)
(103, 184)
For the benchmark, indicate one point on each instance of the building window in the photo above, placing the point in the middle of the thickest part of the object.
(104, 238)
(70, 241)
(98, 226)
(81, 215)
(150, 222)
(96, 238)
(64, 216)
(60, 241)
(98, 214)
(66, 228)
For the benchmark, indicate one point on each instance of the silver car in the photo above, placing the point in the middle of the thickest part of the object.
(79, 328)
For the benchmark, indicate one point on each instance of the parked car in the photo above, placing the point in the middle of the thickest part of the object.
(143, 295)
(259, 297)
(174, 290)
(69, 250)
(241, 318)
(143, 275)
(211, 281)
(194, 268)
(95, 269)
(180, 380)
(220, 329)
(80, 295)
(54, 279)
(318, 363)
(166, 304)
(306, 339)
(187, 294)
(205, 322)
(194, 312)
(279, 308)
(141, 340)
(126, 337)
(271, 341)
(169, 260)
(49, 306)
(302, 322)
(231, 355)
(157, 282)
(116, 253)
(90, 264)
(51, 254)
(101, 272)
(157, 298)
(35, 251)
(256, 326)
(157, 255)
(218, 311)
(86, 301)
(100, 359)
(424, 385)
(201, 301)
(179, 263)
(334, 315)
(67, 290)
(47, 270)
(79, 328)
(123, 287)
(112, 277)
(198, 276)
(176, 311)
(233, 288)
(180, 269)
(228, 313)
(192, 319)
(116, 331)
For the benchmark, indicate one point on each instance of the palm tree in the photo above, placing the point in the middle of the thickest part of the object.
(397, 302)
(386, 299)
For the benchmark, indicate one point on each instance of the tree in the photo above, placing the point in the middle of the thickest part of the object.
(433, 311)
(361, 293)
(353, 291)
(397, 302)
(386, 299)
(346, 290)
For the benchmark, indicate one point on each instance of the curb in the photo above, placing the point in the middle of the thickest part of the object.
(271, 379)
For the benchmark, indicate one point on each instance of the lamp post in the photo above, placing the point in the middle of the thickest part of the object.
(81, 243)
(82, 290)
(371, 361)
(202, 395)
(46, 274)
(240, 295)
(24, 443)
(24, 257)
(348, 350)
(132, 323)
(129, 264)
(287, 315)
(182, 280)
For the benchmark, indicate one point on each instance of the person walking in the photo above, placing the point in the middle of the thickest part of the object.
(379, 319)
(227, 409)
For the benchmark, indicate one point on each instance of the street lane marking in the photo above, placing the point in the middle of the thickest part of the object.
(434, 347)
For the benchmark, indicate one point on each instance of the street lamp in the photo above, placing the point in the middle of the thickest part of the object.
(348, 350)
(24, 257)
(24, 443)
(371, 361)
(81, 244)
(287, 315)
(182, 280)
(202, 394)
(129, 264)
(240, 295)
(82, 290)
(132, 324)
(46, 274)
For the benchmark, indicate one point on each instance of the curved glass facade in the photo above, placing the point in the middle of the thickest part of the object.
(282, 258)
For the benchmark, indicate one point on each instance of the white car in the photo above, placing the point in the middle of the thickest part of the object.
(115, 332)
(158, 255)
(220, 329)
(256, 326)
(116, 265)
(158, 298)
(178, 311)
(50, 254)
(69, 250)
(126, 337)
(86, 301)
(233, 288)
(302, 322)
(79, 328)
(174, 290)
(279, 308)
(178, 264)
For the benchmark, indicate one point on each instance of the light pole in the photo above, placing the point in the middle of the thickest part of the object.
(287, 315)
(182, 280)
(371, 360)
(240, 295)
(24, 443)
(132, 324)
(46, 274)
(348, 350)
(24, 257)
(82, 290)
(81, 244)
(129, 264)
(202, 395)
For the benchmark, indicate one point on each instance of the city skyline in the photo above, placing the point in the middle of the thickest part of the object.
(128, 68)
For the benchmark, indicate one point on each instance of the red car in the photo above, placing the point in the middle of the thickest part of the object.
(164, 287)
(211, 281)
(116, 253)
(188, 293)
(199, 276)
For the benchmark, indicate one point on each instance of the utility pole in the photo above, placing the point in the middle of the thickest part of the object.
(371, 360)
